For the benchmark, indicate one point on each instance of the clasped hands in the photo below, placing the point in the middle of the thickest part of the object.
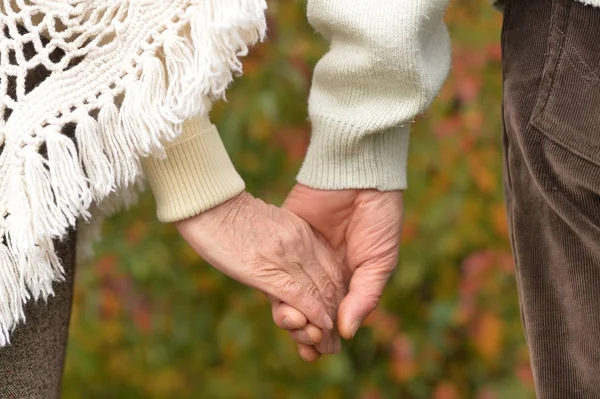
(323, 259)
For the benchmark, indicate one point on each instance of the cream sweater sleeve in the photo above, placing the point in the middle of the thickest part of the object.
(386, 62)
(196, 174)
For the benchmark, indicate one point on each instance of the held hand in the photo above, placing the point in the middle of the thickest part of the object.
(272, 250)
(363, 228)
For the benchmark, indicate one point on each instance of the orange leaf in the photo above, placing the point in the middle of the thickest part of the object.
(404, 366)
(489, 336)
(499, 219)
(445, 390)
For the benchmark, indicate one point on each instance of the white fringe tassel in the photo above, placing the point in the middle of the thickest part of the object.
(47, 195)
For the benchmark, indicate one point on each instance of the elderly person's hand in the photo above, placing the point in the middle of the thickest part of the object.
(363, 228)
(273, 250)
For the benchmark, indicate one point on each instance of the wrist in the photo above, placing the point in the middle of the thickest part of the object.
(219, 213)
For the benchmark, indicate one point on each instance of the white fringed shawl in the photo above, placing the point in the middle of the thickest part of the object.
(125, 74)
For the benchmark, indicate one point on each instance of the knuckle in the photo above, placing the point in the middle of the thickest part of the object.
(294, 267)
(329, 293)
(260, 269)
(288, 237)
(312, 292)
(308, 297)
(303, 338)
(289, 287)
(278, 248)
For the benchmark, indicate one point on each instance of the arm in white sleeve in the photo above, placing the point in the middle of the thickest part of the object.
(386, 62)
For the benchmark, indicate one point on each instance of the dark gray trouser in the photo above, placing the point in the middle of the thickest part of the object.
(551, 51)
(32, 366)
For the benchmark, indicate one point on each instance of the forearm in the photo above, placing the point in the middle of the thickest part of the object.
(386, 62)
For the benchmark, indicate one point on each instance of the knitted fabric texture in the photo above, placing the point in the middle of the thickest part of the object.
(122, 75)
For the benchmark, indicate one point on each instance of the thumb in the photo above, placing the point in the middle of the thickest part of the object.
(366, 288)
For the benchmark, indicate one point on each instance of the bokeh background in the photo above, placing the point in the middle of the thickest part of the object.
(153, 321)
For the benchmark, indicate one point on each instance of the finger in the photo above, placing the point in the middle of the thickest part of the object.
(330, 344)
(286, 317)
(308, 353)
(302, 294)
(366, 289)
(309, 335)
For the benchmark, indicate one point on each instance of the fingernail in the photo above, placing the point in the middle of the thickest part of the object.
(354, 327)
(328, 322)
(286, 322)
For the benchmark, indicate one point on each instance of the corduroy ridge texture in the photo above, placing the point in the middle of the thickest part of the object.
(552, 180)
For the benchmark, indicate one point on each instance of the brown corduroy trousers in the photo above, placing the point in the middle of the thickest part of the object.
(551, 51)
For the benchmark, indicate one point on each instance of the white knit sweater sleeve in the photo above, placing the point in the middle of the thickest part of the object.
(386, 62)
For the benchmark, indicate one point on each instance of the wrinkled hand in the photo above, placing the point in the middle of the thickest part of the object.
(274, 251)
(363, 228)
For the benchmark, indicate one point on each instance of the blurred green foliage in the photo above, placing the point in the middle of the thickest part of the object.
(151, 320)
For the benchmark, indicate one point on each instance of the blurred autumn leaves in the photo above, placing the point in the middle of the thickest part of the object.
(152, 321)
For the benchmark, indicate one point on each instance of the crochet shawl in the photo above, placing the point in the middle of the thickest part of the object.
(87, 87)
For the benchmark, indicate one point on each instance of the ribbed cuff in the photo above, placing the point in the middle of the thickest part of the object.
(196, 175)
(342, 157)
